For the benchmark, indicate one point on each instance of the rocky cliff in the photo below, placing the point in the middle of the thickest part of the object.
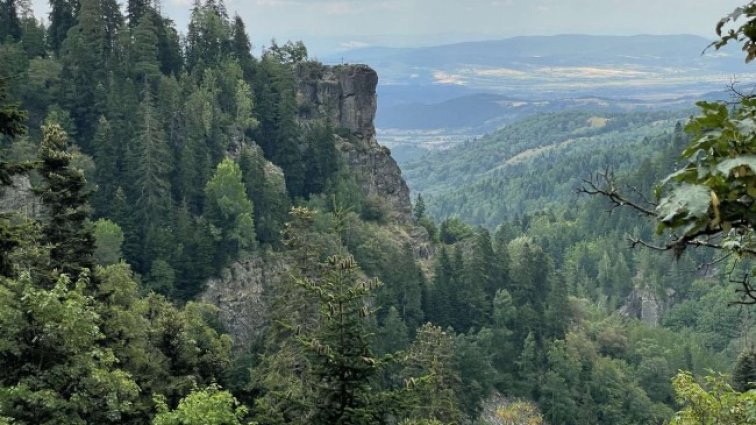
(345, 96)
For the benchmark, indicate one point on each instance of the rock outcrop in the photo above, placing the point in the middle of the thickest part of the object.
(647, 305)
(239, 293)
(19, 198)
(345, 96)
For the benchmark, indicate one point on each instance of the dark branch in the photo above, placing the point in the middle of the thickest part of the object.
(603, 184)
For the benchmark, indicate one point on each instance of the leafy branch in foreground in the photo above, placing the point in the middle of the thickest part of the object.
(711, 200)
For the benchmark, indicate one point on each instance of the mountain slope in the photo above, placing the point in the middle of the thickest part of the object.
(535, 162)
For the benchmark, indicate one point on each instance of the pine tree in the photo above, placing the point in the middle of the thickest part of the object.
(431, 377)
(62, 194)
(33, 37)
(322, 159)
(442, 291)
(113, 21)
(266, 188)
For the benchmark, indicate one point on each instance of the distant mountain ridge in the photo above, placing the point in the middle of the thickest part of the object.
(450, 86)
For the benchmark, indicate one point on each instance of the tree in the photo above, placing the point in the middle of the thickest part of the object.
(715, 403)
(266, 188)
(83, 58)
(71, 240)
(145, 52)
(744, 374)
(108, 240)
(11, 125)
(10, 27)
(340, 349)
(709, 201)
(136, 9)
(61, 20)
(229, 211)
(419, 208)
(151, 165)
(210, 406)
(431, 378)
(322, 159)
(64, 375)
(106, 157)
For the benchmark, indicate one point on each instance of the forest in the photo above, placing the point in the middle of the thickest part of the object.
(154, 181)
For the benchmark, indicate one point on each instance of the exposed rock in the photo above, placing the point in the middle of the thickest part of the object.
(19, 198)
(644, 304)
(240, 292)
(345, 96)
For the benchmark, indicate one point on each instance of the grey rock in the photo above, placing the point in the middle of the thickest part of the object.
(345, 96)
(19, 198)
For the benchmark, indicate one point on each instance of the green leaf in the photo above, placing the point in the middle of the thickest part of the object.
(725, 167)
(686, 201)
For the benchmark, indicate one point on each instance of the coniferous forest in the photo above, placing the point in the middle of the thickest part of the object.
(192, 234)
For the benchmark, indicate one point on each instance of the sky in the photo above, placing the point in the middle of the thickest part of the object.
(327, 26)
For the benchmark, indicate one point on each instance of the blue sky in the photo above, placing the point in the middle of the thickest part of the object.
(329, 25)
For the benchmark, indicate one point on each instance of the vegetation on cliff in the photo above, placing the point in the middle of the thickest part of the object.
(158, 162)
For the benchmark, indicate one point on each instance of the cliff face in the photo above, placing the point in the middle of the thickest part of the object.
(345, 96)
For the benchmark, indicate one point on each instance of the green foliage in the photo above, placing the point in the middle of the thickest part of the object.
(714, 192)
(744, 373)
(432, 381)
(210, 406)
(745, 33)
(340, 349)
(108, 240)
(74, 379)
(715, 403)
(71, 240)
(229, 211)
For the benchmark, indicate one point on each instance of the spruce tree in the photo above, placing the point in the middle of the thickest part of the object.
(340, 349)
(62, 193)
